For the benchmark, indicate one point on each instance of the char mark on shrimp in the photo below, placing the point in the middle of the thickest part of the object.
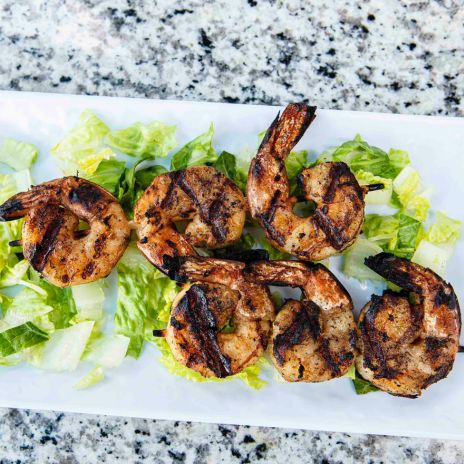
(194, 310)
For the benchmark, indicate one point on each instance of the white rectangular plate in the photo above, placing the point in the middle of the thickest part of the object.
(143, 388)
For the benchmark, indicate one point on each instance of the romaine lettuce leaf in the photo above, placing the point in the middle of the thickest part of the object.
(21, 337)
(108, 175)
(444, 229)
(65, 348)
(408, 234)
(108, 351)
(95, 376)
(383, 230)
(433, 256)
(353, 262)
(26, 306)
(144, 177)
(197, 152)
(10, 184)
(295, 162)
(250, 375)
(143, 292)
(148, 141)
(82, 148)
(227, 164)
(89, 299)
(18, 155)
(376, 197)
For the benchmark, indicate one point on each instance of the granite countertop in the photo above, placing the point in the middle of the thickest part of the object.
(391, 56)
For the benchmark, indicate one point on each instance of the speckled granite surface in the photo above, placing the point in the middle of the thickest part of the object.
(393, 56)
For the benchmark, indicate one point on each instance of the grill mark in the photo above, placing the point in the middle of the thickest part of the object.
(305, 323)
(332, 232)
(209, 214)
(374, 356)
(86, 195)
(99, 245)
(442, 297)
(267, 217)
(203, 327)
(329, 358)
(39, 253)
(169, 197)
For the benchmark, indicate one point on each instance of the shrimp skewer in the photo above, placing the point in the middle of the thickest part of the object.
(52, 211)
(214, 205)
(408, 344)
(313, 340)
(339, 199)
(220, 293)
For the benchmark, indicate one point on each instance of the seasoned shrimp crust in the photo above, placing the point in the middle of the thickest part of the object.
(50, 239)
(337, 195)
(212, 203)
(407, 343)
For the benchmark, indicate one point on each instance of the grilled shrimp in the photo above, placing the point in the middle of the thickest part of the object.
(220, 293)
(52, 212)
(213, 203)
(408, 344)
(339, 199)
(314, 339)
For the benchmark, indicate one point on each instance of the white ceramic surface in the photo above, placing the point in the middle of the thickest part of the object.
(143, 388)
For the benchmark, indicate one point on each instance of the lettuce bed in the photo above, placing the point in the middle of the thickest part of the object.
(56, 329)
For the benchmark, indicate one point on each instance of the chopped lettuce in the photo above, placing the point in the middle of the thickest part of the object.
(95, 376)
(108, 351)
(434, 256)
(228, 165)
(376, 197)
(10, 184)
(353, 263)
(148, 141)
(143, 292)
(16, 274)
(144, 177)
(108, 175)
(409, 230)
(360, 156)
(295, 162)
(82, 148)
(362, 386)
(274, 253)
(250, 375)
(18, 155)
(197, 152)
(89, 300)
(20, 337)
(26, 306)
(65, 348)
(444, 229)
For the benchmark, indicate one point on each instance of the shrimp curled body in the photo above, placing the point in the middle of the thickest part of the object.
(339, 199)
(407, 344)
(199, 313)
(52, 211)
(314, 339)
(214, 205)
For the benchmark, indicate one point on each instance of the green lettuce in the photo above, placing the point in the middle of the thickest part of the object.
(360, 156)
(249, 375)
(143, 292)
(82, 148)
(108, 175)
(95, 376)
(10, 184)
(144, 177)
(229, 166)
(18, 155)
(444, 229)
(19, 338)
(198, 151)
(295, 162)
(376, 197)
(353, 260)
(148, 141)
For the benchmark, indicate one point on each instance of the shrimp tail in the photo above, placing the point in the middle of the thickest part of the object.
(286, 130)
(12, 209)
(394, 269)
